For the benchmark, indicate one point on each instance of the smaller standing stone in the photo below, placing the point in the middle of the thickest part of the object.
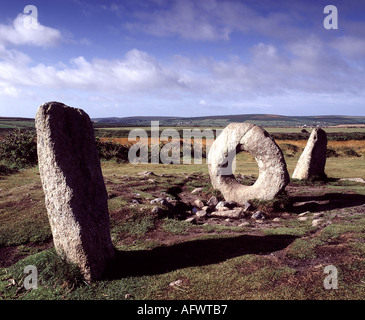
(312, 161)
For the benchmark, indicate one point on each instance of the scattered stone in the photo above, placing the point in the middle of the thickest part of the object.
(222, 209)
(190, 219)
(201, 214)
(135, 201)
(318, 215)
(276, 220)
(75, 194)
(303, 214)
(273, 177)
(146, 173)
(177, 283)
(156, 200)
(151, 180)
(213, 201)
(199, 203)
(235, 213)
(196, 190)
(157, 210)
(247, 206)
(258, 215)
(312, 161)
(221, 204)
(303, 218)
(244, 224)
(316, 222)
(164, 202)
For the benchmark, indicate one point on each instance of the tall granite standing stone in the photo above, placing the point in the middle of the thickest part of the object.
(75, 193)
(312, 161)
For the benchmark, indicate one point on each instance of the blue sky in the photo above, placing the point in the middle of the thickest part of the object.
(183, 57)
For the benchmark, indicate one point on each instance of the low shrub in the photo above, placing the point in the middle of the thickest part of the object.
(18, 149)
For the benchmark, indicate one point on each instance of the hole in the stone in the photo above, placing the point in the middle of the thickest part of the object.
(247, 170)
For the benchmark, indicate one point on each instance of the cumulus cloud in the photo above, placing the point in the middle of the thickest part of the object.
(136, 72)
(17, 34)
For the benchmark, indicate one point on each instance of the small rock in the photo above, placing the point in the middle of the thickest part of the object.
(201, 214)
(303, 218)
(221, 204)
(258, 215)
(222, 209)
(157, 210)
(228, 220)
(135, 201)
(276, 220)
(191, 219)
(213, 201)
(151, 180)
(318, 215)
(247, 206)
(199, 203)
(303, 214)
(177, 283)
(164, 202)
(244, 224)
(235, 214)
(146, 173)
(196, 190)
(316, 222)
(156, 200)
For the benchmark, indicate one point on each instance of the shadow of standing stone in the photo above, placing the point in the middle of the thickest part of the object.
(75, 193)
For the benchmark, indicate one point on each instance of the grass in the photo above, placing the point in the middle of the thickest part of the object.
(213, 262)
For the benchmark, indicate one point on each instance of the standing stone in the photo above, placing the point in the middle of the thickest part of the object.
(273, 174)
(75, 193)
(312, 161)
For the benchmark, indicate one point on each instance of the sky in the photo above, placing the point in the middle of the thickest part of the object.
(183, 58)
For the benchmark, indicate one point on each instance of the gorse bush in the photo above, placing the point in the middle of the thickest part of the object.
(109, 150)
(18, 149)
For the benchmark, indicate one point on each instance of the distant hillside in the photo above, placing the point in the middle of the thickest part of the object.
(12, 123)
(267, 120)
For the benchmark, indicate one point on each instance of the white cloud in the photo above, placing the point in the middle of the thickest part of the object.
(17, 34)
(137, 72)
(350, 46)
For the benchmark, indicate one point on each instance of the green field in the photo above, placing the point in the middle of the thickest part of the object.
(221, 261)
(162, 256)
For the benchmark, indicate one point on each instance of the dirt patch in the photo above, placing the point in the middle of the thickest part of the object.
(12, 254)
